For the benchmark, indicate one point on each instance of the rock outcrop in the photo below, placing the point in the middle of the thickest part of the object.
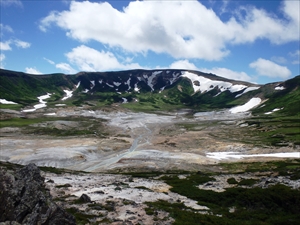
(25, 200)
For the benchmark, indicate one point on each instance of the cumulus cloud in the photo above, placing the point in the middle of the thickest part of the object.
(183, 64)
(66, 68)
(268, 68)
(182, 29)
(6, 46)
(89, 59)
(229, 74)
(259, 24)
(31, 70)
(21, 44)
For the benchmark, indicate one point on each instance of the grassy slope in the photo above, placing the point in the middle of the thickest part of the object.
(288, 99)
(24, 88)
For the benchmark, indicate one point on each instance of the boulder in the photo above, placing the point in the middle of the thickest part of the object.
(85, 198)
(25, 200)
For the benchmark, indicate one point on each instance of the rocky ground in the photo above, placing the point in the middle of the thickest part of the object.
(110, 143)
(97, 141)
(118, 199)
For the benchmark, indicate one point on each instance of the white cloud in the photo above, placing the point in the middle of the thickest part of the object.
(229, 74)
(49, 61)
(5, 46)
(21, 44)
(89, 59)
(66, 68)
(268, 68)
(183, 64)
(259, 24)
(182, 29)
(2, 57)
(7, 3)
(279, 59)
(6, 28)
(31, 70)
(295, 53)
(222, 72)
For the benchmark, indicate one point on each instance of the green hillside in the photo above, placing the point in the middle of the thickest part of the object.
(147, 90)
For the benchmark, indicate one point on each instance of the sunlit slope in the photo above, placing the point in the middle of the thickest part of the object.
(149, 90)
(24, 88)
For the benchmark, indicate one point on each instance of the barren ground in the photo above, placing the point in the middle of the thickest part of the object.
(123, 140)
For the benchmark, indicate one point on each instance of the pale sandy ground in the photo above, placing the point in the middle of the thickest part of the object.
(148, 142)
(140, 142)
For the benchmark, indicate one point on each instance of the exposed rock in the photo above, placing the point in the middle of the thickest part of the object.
(85, 198)
(25, 200)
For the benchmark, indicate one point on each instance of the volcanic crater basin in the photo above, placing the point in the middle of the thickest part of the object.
(133, 141)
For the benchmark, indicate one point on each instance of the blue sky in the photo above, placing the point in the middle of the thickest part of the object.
(255, 41)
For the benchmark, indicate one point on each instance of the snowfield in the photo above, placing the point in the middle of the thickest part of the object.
(253, 102)
(237, 155)
(42, 103)
(3, 101)
(203, 84)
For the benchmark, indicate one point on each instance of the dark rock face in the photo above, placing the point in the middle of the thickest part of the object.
(85, 198)
(25, 200)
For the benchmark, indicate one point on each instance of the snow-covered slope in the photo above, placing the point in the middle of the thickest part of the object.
(155, 89)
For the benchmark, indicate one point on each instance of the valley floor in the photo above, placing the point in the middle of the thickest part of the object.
(98, 141)
(121, 167)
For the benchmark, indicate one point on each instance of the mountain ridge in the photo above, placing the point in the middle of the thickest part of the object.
(158, 89)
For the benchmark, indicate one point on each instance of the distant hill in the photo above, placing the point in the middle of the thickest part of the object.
(149, 90)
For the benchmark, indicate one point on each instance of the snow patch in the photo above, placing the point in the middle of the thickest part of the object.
(125, 100)
(109, 85)
(117, 84)
(136, 89)
(128, 83)
(150, 79)
(237, 155)
(3, 101)
(60, 104)
(93, 84)
(50, 114)
(274, 110)
(203, 84)
(247, 106)
(279, 88)
(247, 90)
(69, 94)
(42, 103)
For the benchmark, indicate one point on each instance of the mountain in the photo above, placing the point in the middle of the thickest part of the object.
(148, 90)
